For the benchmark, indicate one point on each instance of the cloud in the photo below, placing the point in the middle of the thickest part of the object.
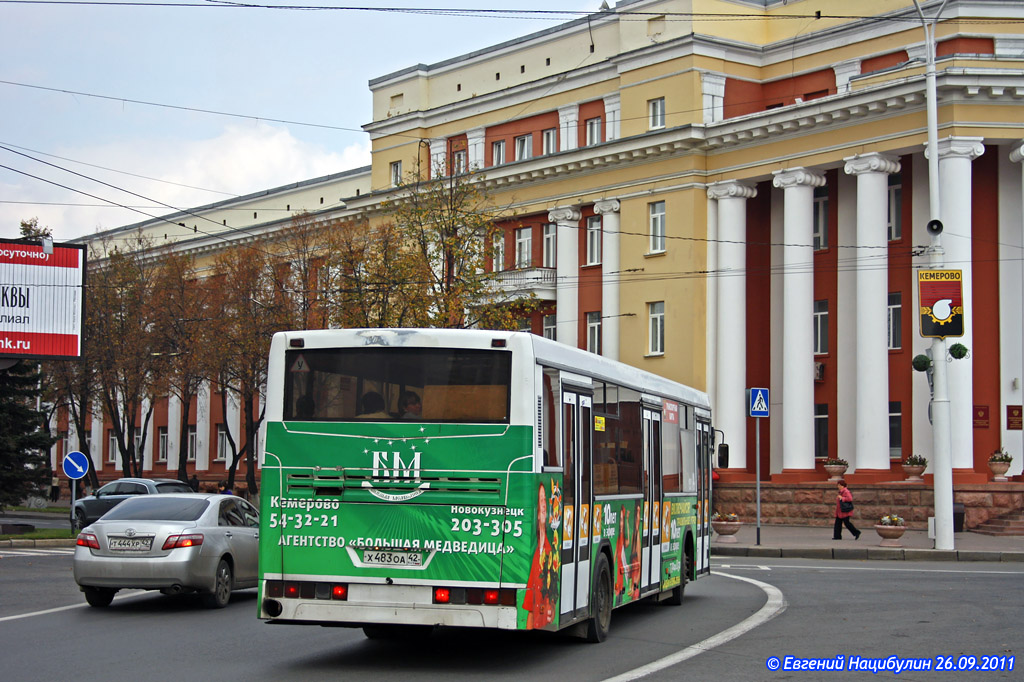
(241, 159)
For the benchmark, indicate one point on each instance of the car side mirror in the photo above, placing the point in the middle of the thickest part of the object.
(723, 456)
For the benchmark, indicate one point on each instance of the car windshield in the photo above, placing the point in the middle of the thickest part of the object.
(173, 487)
(157, 509)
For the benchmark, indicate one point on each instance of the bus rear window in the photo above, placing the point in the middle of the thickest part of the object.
(397, 384)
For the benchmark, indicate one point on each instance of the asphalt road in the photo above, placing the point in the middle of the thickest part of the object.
(867, 609)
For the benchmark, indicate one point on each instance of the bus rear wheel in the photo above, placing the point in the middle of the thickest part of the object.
(601, 602)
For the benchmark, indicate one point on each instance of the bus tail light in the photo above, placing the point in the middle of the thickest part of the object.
(442, 595)
(491, 596)
(340, 592)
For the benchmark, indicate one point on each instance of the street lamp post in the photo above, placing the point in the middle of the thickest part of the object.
(942, 473)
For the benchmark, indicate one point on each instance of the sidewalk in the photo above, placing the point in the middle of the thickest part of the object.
(815, 542)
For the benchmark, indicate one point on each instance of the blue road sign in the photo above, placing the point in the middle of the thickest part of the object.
(758, 402)
(76, 465)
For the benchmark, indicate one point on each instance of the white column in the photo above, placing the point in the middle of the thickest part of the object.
(147, 452)
(475, 148)
(955, 157)
(872, 276)
(203, 455)
(711, 343)
(613, 116)
(567, 274)
(610, 275)
(568, 127)
(844, 71)
(798, 316)
(173, 431)
(99, 438)
(1011, 288)
(731, 362)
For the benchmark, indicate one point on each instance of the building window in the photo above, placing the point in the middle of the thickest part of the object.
(64, 443)
(192, 443)
(111, 447)
(525, 325)
(895, 207)
(550, 244)
(498, 153)
(657, 226)
(161, 441)
(550, 140)
(895, 320)
(594, 332)
(87, 439)
(396, 173)
(524, 247)
(549, 327)
(820, 327)
(821, 430)
(593, 240)
(820, 218)
(656, 317)
(498, 262)
(223, 446)
(137, 436)
(895, 429)
(656, 113)
(593, 131)
(524, 147)
(459, 164)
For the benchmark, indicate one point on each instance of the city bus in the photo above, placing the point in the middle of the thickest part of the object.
(415, 478)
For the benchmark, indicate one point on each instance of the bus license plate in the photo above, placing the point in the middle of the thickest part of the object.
(378, 558)
(126, 544)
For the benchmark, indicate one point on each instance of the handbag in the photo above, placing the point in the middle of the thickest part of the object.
(846, 506)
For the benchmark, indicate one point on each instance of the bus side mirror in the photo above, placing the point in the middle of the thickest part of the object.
(723, 456)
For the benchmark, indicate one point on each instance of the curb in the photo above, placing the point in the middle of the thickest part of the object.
(869, 553)
(50, 542)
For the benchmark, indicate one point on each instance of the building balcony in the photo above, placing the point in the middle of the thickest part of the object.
(538, 281)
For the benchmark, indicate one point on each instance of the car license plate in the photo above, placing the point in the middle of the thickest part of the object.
(126, 544)
(378, 558)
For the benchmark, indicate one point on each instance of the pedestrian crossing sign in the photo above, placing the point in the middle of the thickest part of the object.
(758, 402)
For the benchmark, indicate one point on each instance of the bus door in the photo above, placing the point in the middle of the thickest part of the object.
(577, 410)
(702, 548)
(650, 565)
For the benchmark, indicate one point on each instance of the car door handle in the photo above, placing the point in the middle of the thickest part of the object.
(228, 534)
(257, 536)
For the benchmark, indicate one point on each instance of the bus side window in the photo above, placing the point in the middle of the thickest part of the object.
(550, 424)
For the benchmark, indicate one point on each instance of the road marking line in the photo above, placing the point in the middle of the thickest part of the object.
(133, 593)
(775, 605)
(886, 568)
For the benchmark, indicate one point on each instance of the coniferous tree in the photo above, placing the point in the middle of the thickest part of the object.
(24, 438)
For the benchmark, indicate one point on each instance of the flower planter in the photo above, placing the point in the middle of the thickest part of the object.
(914, 471)
(999, 470)
(890, 535)
(835, 471)
(726, 530)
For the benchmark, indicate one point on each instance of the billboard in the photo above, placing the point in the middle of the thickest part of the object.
(42, 300)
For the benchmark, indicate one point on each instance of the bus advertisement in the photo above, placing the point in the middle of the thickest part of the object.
(470, 478)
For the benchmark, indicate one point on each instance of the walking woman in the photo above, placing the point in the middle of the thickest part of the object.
(844, 510)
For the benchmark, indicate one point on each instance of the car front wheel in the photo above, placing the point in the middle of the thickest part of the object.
(99, 597)
(221, 594)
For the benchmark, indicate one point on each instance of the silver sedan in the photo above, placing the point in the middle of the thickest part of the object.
(174, 543)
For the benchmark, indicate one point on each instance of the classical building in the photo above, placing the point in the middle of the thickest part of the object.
(734, 193)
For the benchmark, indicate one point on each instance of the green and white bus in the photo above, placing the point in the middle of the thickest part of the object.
(472, 478)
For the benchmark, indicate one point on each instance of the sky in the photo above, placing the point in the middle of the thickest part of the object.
(74, 77)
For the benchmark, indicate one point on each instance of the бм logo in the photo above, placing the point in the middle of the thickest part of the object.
(388, 467)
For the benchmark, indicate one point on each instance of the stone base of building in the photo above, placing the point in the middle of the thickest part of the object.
(813, 503)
